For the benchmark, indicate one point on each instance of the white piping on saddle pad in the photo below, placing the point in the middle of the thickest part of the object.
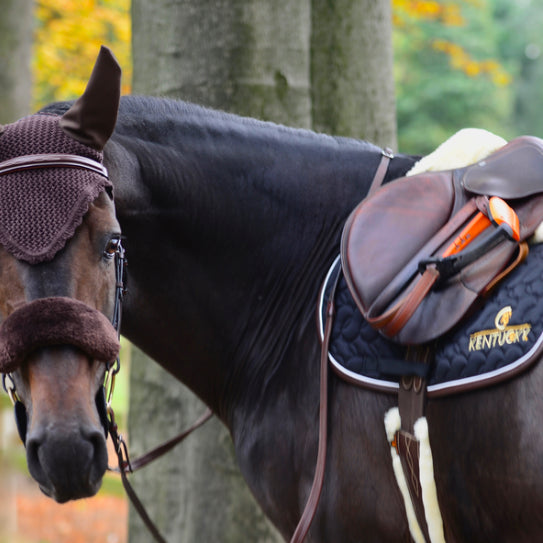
(427, 482)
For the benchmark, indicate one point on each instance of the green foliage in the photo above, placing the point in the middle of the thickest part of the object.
(450, 76)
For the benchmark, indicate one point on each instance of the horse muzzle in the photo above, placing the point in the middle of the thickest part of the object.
(66, 446)
(68, 462)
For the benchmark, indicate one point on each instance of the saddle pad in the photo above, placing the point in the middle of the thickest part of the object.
(500, 338)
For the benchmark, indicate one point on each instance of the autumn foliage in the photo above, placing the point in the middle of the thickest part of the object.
(449, 14)
(68, 35)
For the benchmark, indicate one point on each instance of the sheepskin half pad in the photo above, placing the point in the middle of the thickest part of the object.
(40, 209)
(52, 322)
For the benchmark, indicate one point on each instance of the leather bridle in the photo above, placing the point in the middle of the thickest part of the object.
(105, 394)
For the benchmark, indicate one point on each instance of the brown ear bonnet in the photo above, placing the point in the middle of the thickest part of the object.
(41, 209)
(50, 172)
(42, 205)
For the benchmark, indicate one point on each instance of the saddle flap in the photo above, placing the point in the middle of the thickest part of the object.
(384, 232)
(514, 171)
(413, 220)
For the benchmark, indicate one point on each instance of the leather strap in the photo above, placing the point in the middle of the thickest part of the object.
(412, 301)
(311, 505)
(126, 466)
(411, 404)
(159, 451)
(51, 160)
(522, 253)
(380, 173)
(139, 507)
(379, 319)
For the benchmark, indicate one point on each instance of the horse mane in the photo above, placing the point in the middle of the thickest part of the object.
(138, 106)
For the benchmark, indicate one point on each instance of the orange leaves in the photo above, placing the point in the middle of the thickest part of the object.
(68, 36)
(461, 60)
(448, 13)
(419, 21)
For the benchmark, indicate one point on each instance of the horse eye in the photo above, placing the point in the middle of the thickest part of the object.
(112, 247)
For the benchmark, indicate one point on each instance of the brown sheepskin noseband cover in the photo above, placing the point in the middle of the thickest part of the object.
(56, 321)
(40, 209)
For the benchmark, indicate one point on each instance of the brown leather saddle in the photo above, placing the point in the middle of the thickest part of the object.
(393, 242)
(415, 266)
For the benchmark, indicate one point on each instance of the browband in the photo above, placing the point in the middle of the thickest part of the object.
(50, 160)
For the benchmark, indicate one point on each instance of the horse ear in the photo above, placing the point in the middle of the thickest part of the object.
(92, 118)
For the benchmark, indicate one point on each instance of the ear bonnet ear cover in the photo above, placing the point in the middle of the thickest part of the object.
(40, 209)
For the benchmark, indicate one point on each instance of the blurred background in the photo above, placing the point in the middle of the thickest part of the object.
(455, 64)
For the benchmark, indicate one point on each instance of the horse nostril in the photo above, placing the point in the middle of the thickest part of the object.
(67, 465)
(33, 444)
(99, 461)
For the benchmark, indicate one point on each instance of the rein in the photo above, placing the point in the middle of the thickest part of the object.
(318, 480)
(125, 464)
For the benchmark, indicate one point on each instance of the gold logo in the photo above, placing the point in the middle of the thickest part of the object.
(503, 334)
(503, 317)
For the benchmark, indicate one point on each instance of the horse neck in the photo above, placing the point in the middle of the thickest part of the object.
(230, 227)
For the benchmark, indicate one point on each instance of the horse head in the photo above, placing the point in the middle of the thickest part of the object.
(59, 237)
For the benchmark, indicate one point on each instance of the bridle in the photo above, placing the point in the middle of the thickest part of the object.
(105, 394)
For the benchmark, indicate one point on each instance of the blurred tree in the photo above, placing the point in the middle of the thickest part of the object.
(15, 52)
(352, 82)
(248, 57)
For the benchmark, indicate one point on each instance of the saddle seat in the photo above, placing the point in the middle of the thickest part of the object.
(390, 238)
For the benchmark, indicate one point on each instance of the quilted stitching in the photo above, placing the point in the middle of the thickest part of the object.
(361, 349)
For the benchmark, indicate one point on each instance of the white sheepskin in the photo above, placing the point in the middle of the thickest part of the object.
(466, 147)
(537, 236)
(428, 484)
(392, 425)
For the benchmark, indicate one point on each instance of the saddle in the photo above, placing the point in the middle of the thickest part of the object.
(417, 255)
(422, 250)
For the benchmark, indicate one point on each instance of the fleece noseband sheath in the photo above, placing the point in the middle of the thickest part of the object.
(56, 321)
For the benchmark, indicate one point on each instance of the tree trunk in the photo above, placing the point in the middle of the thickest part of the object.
(251, 58)
(15, 90)
(352, 79)
(15, 51)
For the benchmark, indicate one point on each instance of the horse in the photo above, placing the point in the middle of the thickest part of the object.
(230, 225)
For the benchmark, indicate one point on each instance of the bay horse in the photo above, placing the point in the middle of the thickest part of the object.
(230, 225)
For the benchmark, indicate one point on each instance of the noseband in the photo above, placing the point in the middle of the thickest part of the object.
(56, 321)
(63, 321)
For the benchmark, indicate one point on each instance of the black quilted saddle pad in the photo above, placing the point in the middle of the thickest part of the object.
(500, 338)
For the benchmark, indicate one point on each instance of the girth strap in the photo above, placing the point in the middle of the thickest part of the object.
(413, 448)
